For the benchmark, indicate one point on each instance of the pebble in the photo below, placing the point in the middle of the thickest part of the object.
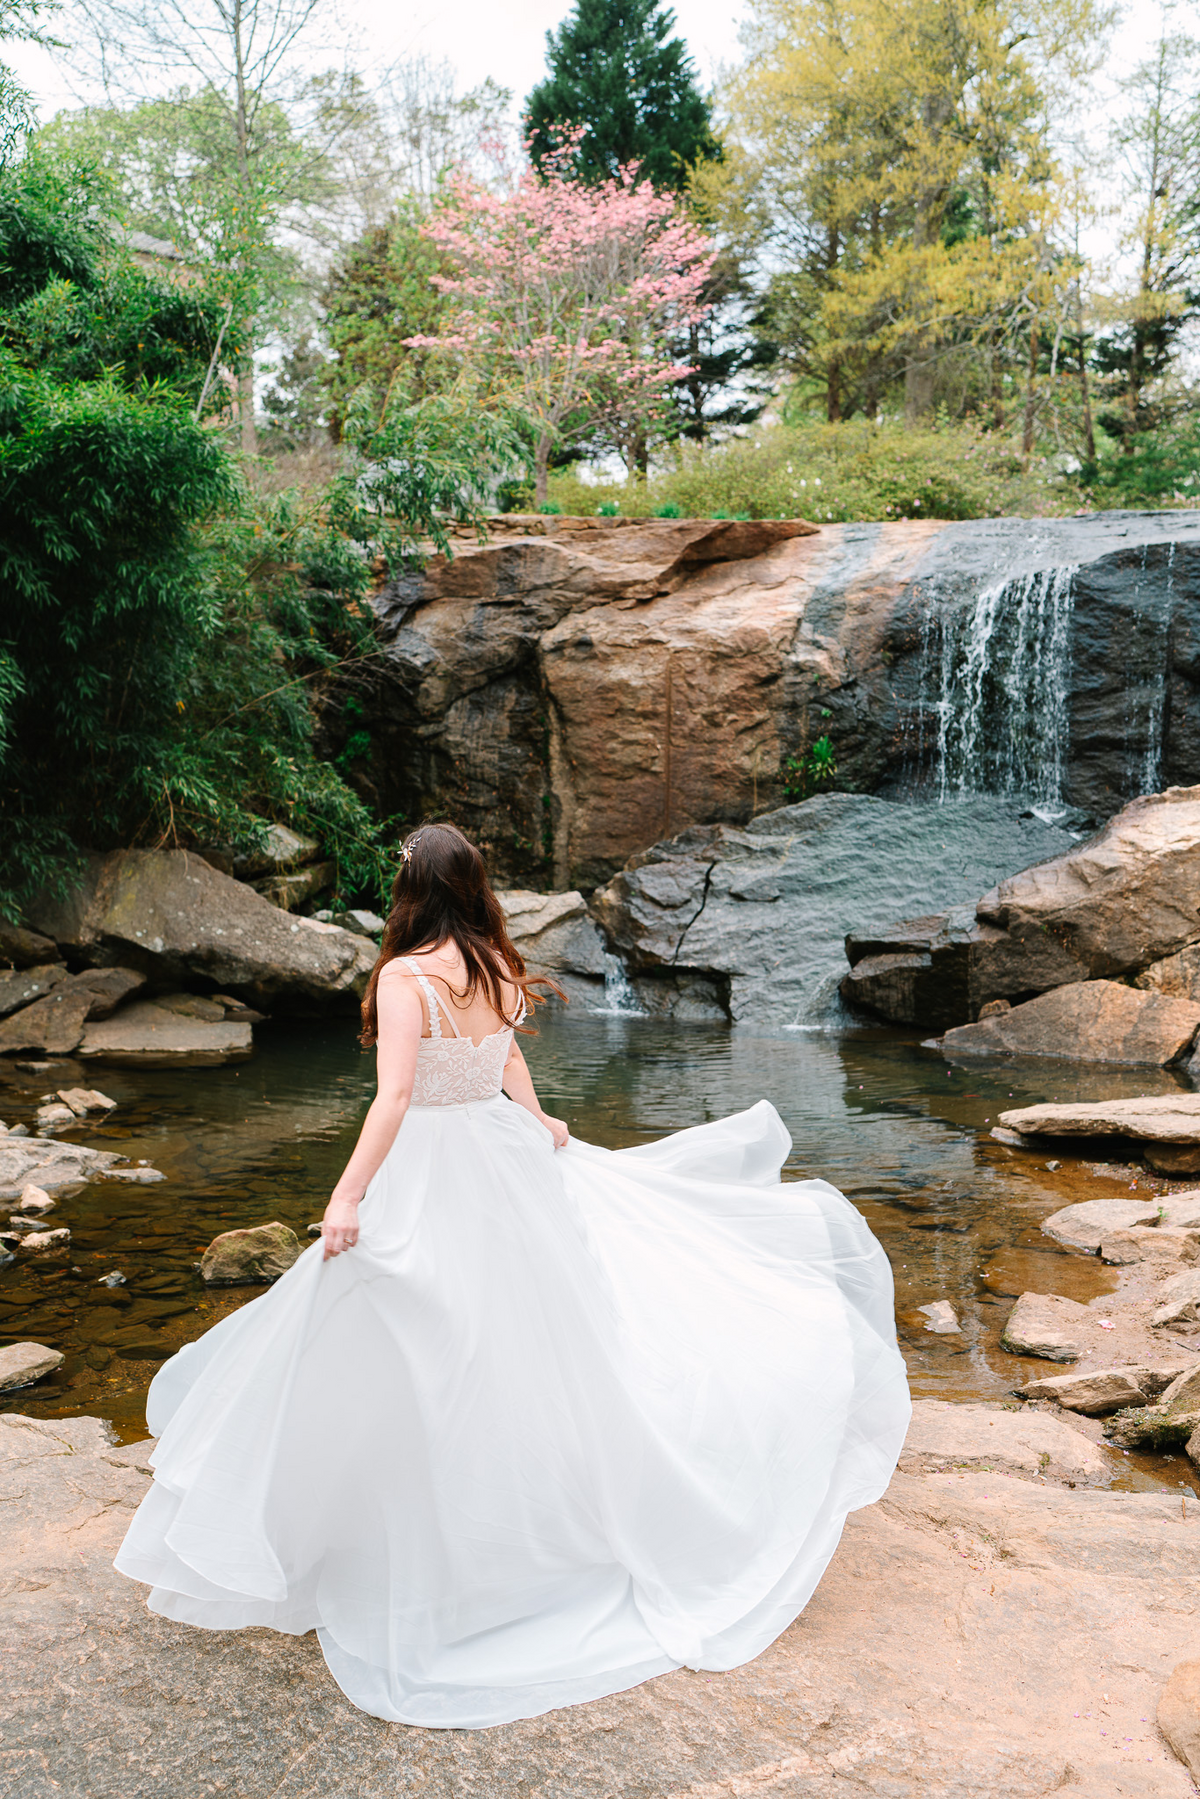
(34, 1199)
(115, 1279)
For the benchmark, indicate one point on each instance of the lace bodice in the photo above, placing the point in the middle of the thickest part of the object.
(451, 1071)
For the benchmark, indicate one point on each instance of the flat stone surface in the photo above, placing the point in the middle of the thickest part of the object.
(23, 1363)
(1085, 1226)
(148, 1035)
(40, 1162)
(261, 1253)
(54, 1024)
(1085, 1021)
(961, 1646)
(36, 1241)
(1042, 1324)
(1163, 1118)
(943, 1435)
(1104, 1390)
(1144, 1244)
(941, 1318)
(1179, 1714)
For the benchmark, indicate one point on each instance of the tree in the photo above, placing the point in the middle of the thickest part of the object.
(1158, 152)
(565, 297)
(616, 70)
(894, 159)
(18, 23)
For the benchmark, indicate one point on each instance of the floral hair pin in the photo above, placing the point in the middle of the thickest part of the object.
(409, 847)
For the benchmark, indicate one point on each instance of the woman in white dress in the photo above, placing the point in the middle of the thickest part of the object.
(535, 1421)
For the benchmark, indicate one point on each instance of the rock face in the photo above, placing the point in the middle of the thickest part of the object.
(260, 1254)
(971, 1436)
(761, 913)
(575, 689)
(174, 917)
(150, 1036)
(557, 935)
(53, 1025)
(1089, 1021)
(1167, 1126)
(909, 1673)
(1179, 1715)
(23, 1363)
(21, 986)
(1042, 1324)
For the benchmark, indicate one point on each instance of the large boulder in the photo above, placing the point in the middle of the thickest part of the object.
(21, 986)
(762, 912)
(172, 916)
(557, 936)
(1167, 1126)
(53, 1025)
(149, 1036)
(1086, 1021)
(261, 1253)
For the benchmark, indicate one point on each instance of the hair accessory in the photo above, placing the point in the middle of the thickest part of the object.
(409, 847)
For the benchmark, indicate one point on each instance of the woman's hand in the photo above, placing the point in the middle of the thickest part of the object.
(556, 1128)
(339, 1227)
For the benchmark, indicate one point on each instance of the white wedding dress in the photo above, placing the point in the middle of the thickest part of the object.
(561, 1421)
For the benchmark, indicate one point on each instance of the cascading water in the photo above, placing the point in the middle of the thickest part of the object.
(620, 1000)
(1003, 667)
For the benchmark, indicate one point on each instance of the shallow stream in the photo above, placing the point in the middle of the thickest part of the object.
(901, 1132)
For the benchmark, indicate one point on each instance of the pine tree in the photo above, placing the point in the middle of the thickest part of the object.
(616, 69)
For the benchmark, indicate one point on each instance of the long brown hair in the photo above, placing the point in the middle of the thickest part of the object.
(441, 891)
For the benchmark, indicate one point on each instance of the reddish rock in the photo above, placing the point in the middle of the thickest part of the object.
(1085, 1021)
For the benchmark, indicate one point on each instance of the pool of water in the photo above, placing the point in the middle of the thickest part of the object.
(904, 1134)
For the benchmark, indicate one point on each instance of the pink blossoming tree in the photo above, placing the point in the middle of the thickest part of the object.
(567, 297)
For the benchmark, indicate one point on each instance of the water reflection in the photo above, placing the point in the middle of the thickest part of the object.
(901, 1131)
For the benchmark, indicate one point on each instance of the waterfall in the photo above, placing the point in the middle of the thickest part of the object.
(620, 1000)
(1147, 700)
(1003, 670)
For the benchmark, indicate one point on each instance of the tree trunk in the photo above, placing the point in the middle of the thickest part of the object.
(1030, 394)
(541, 471)
(918, 389)
(1089, 435)
(833, 393)
(245, 391)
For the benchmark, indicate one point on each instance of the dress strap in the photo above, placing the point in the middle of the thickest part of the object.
(436, 1006)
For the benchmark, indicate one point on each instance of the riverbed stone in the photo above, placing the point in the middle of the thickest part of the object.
(23, 1363)
(762, 912)
(1043, 1324)
(1102, 1390)
(21, 986)
(1085, 1226)
(944, 1435)
(171, 915)
(35, 1200)
(1166, 1127)
(941, 1318)
(36, 1241)
(1178, 1714)
(1178, 1299)
(1139, 1244)
(53, 1024)
(83, 1100)
(1090, 1021)
(148, 1035)
(262, 1253)
(50, 1165)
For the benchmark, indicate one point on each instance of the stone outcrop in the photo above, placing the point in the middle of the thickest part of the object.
(760, 914)
(1086, 1021)
(23, 1363)
(963, 1623)
(943, 1435)
(574, 689)
(1179, 1714)
(172, 916)
(1166, 1127)
(557, 936)
(1042, 1324)
(1096, 1393)
(145, 1035)
(261, 1253)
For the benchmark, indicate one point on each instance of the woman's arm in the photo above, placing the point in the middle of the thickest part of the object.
(518, 1084)
(401, 1021)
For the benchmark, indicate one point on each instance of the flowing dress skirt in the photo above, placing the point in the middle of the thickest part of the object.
(561, 1421)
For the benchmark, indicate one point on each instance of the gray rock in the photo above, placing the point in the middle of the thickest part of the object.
(1178, 1714)
(762, 912)
(941, 1318)
(36, 1241)
(108, 987)
(943, 1435)
(171, 915)
(147, 1035)
(43, 1163)
(23, 1363)
(54, 1024)
(262, 1253)
(24, 949)
(20, 986)
(557, 936)
(1088, 1021)
(193, 1005)
(83, 1100)
(1178, 1299)
(1086, 1225)
(291, 890)
(1103, 1390)
(1042, 1324)
(115, 1279)
(54, 1115)
(362, 923)
(35, 1200)
(283, 849)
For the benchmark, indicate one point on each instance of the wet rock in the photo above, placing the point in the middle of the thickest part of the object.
(1178, 1299)
(115, 1279)
(1139, 1244)
(40, 1240)
(362, 923)
(83, 1100)
(171, 915)
(1167, 1127)
(1178, 1715)
(763, 912)
(262, 1253)
(35, 1200)
(23, 1363)
(1128, 897)
(50, 1165)
(54, 1116)
(149, 1035)
(21, 986)
(1089, 1021)
(941, 1318)
(54, 1024)
(1177, 976)
(949, 969)
(1085, 1226)
(943, 1435)
(1104, 1390)
(24, 949)
(557, 936)
(1042, 1324)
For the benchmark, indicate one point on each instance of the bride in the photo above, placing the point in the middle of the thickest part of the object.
(536, 1420)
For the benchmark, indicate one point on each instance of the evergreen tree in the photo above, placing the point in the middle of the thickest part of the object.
(616, 69)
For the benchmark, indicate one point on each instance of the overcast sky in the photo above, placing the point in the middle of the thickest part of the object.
(506, 39)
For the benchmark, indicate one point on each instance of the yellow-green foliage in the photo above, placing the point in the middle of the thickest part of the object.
(856, 470)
